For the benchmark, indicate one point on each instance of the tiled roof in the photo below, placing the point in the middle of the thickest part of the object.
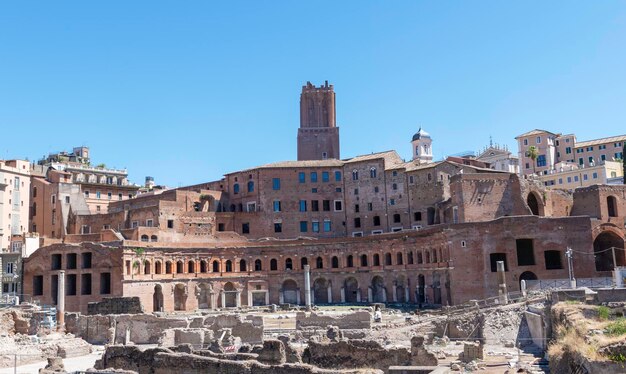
(535, 132)
(296, 164)
(612, 139)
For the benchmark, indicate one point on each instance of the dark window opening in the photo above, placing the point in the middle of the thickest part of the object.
(70, 284)
(494, 258)
(387, 258)
(85, 284)
(105, 283)
(38, 285)
(335, 262)
(71, 261)
(170, 223)
(57, 260)
(245, 228)
(376, 260)
(553, 260)
(86, 260)
(417, 216)
(350, 261)
(273, 264)
(376, 221)
(396, 218)
(525, 252)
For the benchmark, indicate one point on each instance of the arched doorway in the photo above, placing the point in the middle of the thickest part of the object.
(351, 289)
(320, 291)
(204, 296)
(290, 292)
(533, 204)
(180, 297)
(436, 288)
(400, 285)
(378, 290)
(157, 299)
(526, 276)
(230, 295)
(421, 289)
(603, 252)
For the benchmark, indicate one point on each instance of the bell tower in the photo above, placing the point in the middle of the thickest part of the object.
(422, 147)
(318, 135)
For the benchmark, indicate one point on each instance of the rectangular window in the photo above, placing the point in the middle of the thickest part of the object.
(109, 195)
(575, 178)
(278, 227)
(560, 180)
(369, 207)
(86, 260)
(585, 177)
(525, 141)
(357, 222)
(356, 191)
(170, 223)
(149, 223)
(541, 160)
(276, 205)
(251, 207)
(325, 176)
(590, 160)
(525, 252)
(569, 179)
(315, 226)
(327, 225)
(105, 283)
(302, 177)
(313, 177)
(56, 261)
(119, 196)
(276, 184)
(538, 139)
(245, 228)
(553, 260)
(356, 208)
(581, 161)
(595, 175)
(38, 285)
(417, 216)
(338, 205)
(568, 150)
(337, 189)
(337, 176)
(392, 201)
(315, 205)
(70, 284)
(71, 261)
(134, 224)
(313, 190)
(303, 205)
(97, 195)
(85, 284)
(603, 157)
(326, 205)
(411, 179)
(304, 226)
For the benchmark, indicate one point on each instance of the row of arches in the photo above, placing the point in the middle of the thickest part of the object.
(419, 257)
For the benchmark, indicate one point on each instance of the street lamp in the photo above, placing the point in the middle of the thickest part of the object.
(570, 267)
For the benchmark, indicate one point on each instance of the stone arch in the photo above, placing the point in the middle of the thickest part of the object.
(288, 264)
(378, 290)
(154, 238)
(387, 258)
(203, 266)
(303, 261)
(216, 266)
(334, 262)
(180, 297)
(321, 288)
(145, 238)
(535, 204)
(157, 299)
(319, 263)
(204, 296)
(229, 266)
(258, 265)
(157, 267)
(603, 252)
(243, 265)
(179, 267)
(421, 289)
(230, 295)
(351, 290)
(363, 260)
(146, 267)
(191, 267)
(401, 286)
(290, 291)
(526, 276)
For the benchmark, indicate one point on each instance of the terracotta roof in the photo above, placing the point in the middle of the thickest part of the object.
(535, 132)
(296, 164)
(392, 159)
(612, 139)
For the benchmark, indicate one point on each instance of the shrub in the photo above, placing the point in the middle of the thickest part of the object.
(603, 313)
(616, 328)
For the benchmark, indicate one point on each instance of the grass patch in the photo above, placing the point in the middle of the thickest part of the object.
(572, 302)
(617, 357)
(603, 313)
(616, 328)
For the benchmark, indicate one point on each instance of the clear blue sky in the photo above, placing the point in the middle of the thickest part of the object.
(186, 91)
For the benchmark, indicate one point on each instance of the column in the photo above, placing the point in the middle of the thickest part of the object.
(384, 294)
(358, 295)
(502, 283)
(307, 285)
(238, 299)
(249, 298)
(329, 290)
(223, 297)
(281, 297)
(406, 295)
(369, 294)
(394, 294)
(213, 300)
(61, 301)
(343, 294)
(267, 297)
(298, 297)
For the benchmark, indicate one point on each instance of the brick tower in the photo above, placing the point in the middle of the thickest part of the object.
(318, 135)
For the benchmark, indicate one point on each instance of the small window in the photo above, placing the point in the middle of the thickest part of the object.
(250, 186)
(273, 264)
(338, 205)
(302, 177)
(313, 177)
(357, 222)
(276, 205)
(303, 207)
(245, 228)
(236, 188)
(494, 258)
(170, 223)
(525, 252)
(325, 176)
(376, 221)
(276, 184)
(396, 218)
(278, 227)
(304, 226)
(373, 173)
(315, 226)
(553, 260)
(337, 176)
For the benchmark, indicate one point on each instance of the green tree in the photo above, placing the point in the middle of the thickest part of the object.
(533, 153)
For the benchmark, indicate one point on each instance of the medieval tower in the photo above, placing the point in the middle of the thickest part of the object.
(318, 135)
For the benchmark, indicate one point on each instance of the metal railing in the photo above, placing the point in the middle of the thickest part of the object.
(556, 284)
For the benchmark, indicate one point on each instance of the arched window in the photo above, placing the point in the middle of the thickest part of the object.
(203, 266)
(145, 238)
(373, 173)
(387, 258)
(303, 261)
(168, 267)
(216, 266)
(236, 188)
(376, 260)
(428, 257)
(258, 265)
(250, 186)
(273, 264)
(157, 267)
(430, 177)
(363, 260)
(191, 267)
(399, 258)
(154, 238)
(420, 260)
(394, 186)
(229, 266)
(355, 175)
(335, 262)
(435, 256)
(242, 265)
(146, 267)
(179, 267)
(319, 263)
(409, 258)
(350, 261)
(289, 264)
